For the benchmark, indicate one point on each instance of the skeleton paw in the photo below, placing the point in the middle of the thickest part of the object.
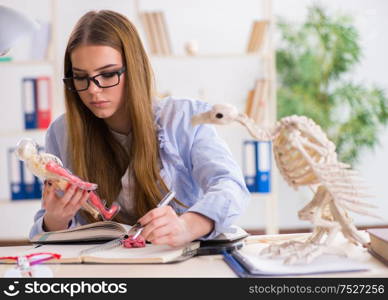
(297, 258)
(308, 252)
(281, 249)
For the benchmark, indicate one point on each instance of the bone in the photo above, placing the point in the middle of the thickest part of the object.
(351, 200)
(306, 157)
(359, 210)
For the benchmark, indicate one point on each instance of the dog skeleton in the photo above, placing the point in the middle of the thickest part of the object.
(306, 157)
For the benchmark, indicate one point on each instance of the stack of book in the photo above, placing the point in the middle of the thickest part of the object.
(156, 31)
(257, 36)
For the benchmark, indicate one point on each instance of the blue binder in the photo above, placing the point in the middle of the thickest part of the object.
(15, 168)
(23, 184)
(257, 166)
(38, 184)
(29, 183)
(29, 103)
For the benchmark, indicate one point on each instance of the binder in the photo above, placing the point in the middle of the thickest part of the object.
(15, 167)
(263, 162)
(249, 165)
(29, 103)
(257, 166)
(162, 30)
(38, 184)
(29, 183)
(23, 184)
(43, 96)
(37, 188)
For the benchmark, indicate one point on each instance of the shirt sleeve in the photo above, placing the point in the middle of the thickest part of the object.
(37, 227)
(225, 195)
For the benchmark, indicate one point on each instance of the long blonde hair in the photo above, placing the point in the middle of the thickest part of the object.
(94, 153)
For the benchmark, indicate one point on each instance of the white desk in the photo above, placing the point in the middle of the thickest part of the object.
(201, 266)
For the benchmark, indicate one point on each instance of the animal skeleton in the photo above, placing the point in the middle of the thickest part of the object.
(306, 157)
(49, 167)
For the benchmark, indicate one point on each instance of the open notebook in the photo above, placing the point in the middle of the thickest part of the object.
(98, 231)
(108, 230)
(71, 253)
(71, 242)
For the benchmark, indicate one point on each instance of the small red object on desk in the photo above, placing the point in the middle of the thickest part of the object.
(129, 242)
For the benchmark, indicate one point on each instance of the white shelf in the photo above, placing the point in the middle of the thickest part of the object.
(32, 132)
(21, 202)
(210, 56)
(18, 218)
(26, 62)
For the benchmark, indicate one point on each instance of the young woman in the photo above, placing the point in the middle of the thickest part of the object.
(115, 134)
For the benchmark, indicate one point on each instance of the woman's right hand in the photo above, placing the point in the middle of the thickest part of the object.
(60, 210)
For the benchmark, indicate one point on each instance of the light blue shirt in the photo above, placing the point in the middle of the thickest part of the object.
(196, 164)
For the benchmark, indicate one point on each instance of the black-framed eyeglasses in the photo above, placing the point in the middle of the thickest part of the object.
(103, 80)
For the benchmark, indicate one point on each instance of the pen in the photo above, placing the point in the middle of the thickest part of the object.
(165, 201)
(111, 244)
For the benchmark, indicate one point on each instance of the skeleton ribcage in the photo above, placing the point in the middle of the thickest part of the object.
(299, 147)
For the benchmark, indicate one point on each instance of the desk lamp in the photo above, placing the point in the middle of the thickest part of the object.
(13, 26)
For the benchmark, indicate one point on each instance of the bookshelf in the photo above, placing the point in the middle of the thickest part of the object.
(257, 50)
(25, 63)
(223, 73)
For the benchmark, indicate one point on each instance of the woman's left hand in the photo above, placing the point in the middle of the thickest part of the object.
(163, 226)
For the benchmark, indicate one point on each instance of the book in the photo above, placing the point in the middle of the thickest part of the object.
(247, 262)
(155, 36)
(260, 94)
(249, 104)
(252, 37)
(73, 253)
(149, 32)
(165, 39)
(378, 245)
(257, 35)
(109, 230)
